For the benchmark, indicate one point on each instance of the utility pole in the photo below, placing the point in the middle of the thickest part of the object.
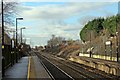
(16, 43)
(117, 50)
(105, 51)
(90, 45)
(3, 59)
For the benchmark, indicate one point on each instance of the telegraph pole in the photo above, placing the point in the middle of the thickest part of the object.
(16, 43)
(117, 50)
(90, 45)
(2, 40)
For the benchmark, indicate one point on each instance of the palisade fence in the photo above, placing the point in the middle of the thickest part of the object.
(7, 56)
(0, 61)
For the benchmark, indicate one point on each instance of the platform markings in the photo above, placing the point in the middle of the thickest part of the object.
(28, 76)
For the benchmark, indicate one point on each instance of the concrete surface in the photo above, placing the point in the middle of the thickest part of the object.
(19, 70)
(39, 71)
(103, 65)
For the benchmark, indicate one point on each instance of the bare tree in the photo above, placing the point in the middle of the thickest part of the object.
(55, 41)
(9, 9)
(9, 12)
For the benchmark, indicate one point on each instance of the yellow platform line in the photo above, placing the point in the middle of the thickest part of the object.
(28, 76)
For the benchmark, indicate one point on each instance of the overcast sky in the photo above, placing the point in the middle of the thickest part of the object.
(66, 19)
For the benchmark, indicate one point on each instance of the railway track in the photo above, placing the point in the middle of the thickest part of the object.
(75, 71)
(55, 72)
(94, 72)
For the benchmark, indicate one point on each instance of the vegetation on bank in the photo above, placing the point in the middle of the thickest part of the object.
(97, 26)
(95, 33)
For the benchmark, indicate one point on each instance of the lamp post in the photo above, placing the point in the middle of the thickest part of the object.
(21, 33)
(21, 42)
(16, 38)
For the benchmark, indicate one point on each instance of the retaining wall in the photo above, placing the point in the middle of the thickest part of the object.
(106, 66)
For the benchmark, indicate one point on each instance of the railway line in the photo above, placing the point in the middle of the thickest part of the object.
(60, 68)
(55, 72)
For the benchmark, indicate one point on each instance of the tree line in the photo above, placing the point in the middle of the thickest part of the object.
(99, 26)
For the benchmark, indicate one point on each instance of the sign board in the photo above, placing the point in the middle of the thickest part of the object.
(12, 44)
(108, 42)
(0, 61)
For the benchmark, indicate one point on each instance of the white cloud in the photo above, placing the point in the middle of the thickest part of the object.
(49, 19)
(46, 30)
(64, 0)
(40, 35)
(62, 30)
(58, 11)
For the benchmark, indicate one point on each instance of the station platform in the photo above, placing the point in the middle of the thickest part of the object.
(36, 69)
(28, 68)
(18, 70)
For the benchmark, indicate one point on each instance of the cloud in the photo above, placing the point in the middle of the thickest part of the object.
(64, 0)
(52, 16)
(39, 35)
(85, 19)
(50, 19)
(58, 11)
(62, 30)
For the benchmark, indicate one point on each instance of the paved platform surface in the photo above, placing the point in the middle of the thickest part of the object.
(36, 69)
(19, 70)
(27, 68)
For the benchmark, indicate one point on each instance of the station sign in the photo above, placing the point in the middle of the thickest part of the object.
(13, 44)
(108, 43)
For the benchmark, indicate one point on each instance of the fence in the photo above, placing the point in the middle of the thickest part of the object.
(0, 62)
(8, 56)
